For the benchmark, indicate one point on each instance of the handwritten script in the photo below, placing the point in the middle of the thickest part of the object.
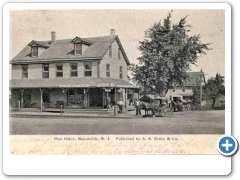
(113, 144)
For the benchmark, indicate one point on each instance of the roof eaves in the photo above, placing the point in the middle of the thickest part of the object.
(108, 47)
(32, 61)
(124, 53)
(81, 40)
(120, 45)
(39, 44)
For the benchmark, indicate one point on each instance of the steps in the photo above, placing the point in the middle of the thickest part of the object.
(89, 111)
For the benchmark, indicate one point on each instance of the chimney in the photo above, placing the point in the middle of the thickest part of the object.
(112, 32)
(53, 37)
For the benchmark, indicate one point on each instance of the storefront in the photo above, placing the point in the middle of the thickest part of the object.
(71, 96)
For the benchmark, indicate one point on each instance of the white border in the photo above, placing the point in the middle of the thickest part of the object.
(114, 165)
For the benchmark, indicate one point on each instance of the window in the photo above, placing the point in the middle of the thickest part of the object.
(59, 72)
(74, 70)
(119, 54)
(108, 70)
(78, 49)
(121, 72)
(110, 51)
(87, 69)
(24, 71)
(34, 51)
(45, 70)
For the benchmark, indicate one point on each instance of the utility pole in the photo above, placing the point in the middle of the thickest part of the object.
(115, 100)
(201, 80)
(201, 92)
(41, 100)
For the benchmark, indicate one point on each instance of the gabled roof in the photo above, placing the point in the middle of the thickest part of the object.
(64, 50)
(45, 44)
(79, 40)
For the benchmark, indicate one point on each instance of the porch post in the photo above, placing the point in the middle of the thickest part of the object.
(41, 99)
(200, 90)
(115, 95)
(103, 97)
(85, 98)
(21, 94)
(11, 103)
(126, 98)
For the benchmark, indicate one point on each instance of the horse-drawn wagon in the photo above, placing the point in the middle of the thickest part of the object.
(155, 106)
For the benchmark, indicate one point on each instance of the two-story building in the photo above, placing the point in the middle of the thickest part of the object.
(75, 73)
(195, 79)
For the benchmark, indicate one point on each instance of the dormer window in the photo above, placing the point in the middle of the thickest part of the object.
(78, 43)
(78, 49)
(34, 51)
(37, 44)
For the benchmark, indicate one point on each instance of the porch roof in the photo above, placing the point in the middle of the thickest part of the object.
(69, 83)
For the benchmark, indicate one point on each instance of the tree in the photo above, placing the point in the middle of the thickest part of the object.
(215, 87)
(167, 53)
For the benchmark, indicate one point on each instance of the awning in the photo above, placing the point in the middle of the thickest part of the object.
(69, 83)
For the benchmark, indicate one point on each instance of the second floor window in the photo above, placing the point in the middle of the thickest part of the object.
(110, 51)
(24, 71)
(34, 51)
(74, 70)
(88, 69)
(108, 70)
(59, 72)
(78, 49)
(45, 70)
(120, 72)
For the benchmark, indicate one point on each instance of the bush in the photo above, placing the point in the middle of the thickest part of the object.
(219, 108)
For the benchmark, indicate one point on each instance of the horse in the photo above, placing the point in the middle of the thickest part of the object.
(147, 108)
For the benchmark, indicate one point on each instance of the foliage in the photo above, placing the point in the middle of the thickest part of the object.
(196, 95)
(167, 53)
(214, 87)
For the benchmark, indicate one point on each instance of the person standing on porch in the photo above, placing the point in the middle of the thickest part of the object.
(109, 103)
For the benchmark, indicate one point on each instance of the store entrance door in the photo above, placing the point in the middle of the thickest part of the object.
(95, 97)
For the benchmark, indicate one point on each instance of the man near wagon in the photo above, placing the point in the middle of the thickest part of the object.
(120, 104)
(137, 105)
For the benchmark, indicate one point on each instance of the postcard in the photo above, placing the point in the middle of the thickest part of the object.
(110, 83)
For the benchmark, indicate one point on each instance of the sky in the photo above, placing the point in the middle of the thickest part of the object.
(129, 25)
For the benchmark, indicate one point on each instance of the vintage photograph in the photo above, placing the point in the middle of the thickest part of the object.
(117, 72)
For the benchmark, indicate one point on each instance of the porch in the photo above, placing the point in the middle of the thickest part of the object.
(68, 99)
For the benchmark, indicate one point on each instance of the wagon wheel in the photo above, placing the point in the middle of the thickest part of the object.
(161, 112)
